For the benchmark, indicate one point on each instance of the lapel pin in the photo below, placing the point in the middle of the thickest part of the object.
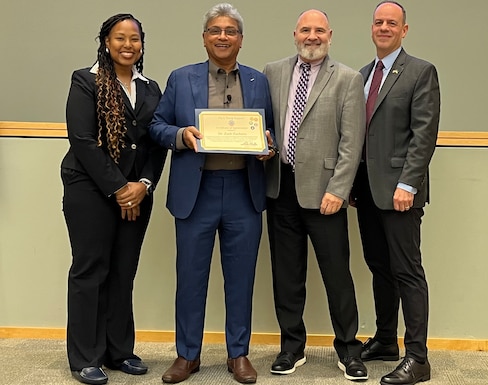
(395, 71)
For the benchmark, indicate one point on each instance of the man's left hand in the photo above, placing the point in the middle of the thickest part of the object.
(330, 204)
(402, 200)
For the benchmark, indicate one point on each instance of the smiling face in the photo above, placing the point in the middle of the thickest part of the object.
(124, 44)
(312, 36)
(222, 49)
(388, 29)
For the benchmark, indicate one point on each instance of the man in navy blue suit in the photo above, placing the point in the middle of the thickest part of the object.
(211, 193)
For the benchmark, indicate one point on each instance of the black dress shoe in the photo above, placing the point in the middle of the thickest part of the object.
(90, 375)
(409, 372)
(133, 366)
(375, 350)
(353, 369)
(287, 362)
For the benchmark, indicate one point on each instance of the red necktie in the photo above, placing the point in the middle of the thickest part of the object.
(373, 90)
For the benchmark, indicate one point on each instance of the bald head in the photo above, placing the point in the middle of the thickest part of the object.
(389, 28)
(312, 35)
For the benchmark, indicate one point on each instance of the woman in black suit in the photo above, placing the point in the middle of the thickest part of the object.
(108, 174)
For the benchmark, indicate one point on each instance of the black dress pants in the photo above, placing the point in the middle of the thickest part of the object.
(391, 247)
(289, 227)
(105, 255)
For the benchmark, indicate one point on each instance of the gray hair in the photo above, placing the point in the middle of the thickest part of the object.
(223, 9)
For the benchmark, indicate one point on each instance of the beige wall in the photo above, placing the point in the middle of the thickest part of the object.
(46, 40)
(35, 253)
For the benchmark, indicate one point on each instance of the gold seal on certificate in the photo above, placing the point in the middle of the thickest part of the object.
(239, 131)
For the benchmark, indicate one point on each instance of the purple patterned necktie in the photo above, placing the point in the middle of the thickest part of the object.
(298, 108)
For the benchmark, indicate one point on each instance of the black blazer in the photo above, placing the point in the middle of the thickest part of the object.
(140, 158)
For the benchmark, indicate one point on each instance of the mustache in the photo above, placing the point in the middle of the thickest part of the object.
(312, 53)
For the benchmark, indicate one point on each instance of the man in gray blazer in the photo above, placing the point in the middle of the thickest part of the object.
(391, 189)
(308, 190)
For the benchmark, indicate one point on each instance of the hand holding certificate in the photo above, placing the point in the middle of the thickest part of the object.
(240, 131)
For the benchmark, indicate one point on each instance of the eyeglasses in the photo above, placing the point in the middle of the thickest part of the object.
(216, 31)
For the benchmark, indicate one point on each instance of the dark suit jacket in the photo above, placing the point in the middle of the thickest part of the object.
(186, 90)
(141, 158)
(402, 133)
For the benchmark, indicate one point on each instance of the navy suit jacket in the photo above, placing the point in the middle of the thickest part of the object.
(186, 90)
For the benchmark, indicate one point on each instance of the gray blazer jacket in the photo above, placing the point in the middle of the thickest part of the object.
(403, 130)
(331, 136)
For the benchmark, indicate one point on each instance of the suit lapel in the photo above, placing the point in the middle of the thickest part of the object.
(394, 74)
(198, 80)
(323, 77)
(366, 71)
(286, 75)
(141, 95)
(130, 114)
(248, 86)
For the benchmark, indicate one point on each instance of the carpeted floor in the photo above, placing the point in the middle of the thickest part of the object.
(37, 362)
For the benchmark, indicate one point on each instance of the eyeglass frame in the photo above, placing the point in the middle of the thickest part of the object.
(217, 31)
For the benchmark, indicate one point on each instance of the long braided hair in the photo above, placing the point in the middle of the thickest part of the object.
(110, 104)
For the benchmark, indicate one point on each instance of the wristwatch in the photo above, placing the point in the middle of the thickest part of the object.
(148, 184)
(274, 149)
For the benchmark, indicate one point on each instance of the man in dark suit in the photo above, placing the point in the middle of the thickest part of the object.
(308, 192)
(213, 192)
(391, 189)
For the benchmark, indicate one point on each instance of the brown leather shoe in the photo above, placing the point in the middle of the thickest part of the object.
(242, 369)
(181, 370)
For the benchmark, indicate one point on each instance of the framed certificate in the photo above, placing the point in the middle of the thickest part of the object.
(232, 131)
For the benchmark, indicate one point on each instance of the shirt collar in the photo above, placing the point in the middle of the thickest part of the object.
(389, 59)
(214, 69)
(135, 73)
(313, 64)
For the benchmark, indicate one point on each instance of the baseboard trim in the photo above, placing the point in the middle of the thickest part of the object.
(256, 339)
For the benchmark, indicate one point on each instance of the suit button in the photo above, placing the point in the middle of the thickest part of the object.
(134, 123)
(133, 146)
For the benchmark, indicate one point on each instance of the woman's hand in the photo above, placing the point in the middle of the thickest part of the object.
(129, 198)
(131, 214)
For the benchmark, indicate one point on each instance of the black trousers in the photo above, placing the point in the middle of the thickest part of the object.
(289, 227)
(105, 252)
(391, 247)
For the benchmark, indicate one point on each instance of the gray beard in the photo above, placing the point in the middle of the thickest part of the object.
(312, 54)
